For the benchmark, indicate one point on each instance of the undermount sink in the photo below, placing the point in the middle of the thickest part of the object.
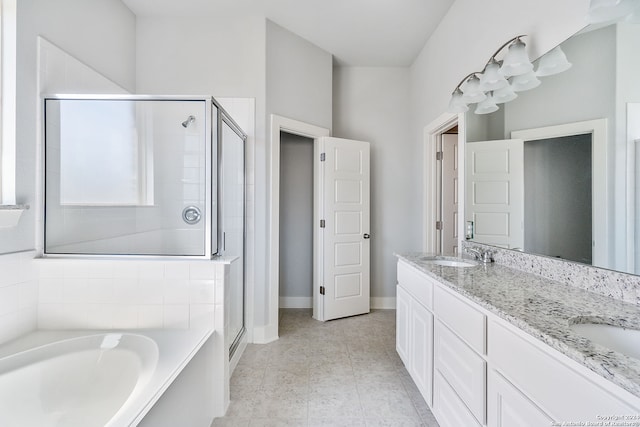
(616, 338)
(447, 262)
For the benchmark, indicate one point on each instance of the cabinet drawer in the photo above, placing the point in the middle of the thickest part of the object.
(551, 382)
(464, 370)
(448, 408)
(508, 407)
(462, 318)
(416, 283)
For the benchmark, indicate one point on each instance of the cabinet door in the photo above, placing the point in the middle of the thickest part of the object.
(403, 311)
(422, 349)
(508, 407)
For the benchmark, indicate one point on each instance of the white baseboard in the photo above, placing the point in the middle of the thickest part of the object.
(265, 334)
(296, 302)
(380, 303)
(383, 303)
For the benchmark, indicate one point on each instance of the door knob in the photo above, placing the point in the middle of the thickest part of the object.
(366, 236)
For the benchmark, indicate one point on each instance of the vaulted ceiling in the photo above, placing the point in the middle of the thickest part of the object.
(382, 33)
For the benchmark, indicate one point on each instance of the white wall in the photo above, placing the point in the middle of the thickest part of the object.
(372, 104)
(296, 221)
(467, 36)
(224, 58)
(85, 29)
(299, 78)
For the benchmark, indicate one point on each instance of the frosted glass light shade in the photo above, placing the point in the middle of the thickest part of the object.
(471, 90)
(516, 61)
(503, 95)
(491, 79)
(457, 105)
(524, 82)
(487, 106)
(553, 62)
(609, 10)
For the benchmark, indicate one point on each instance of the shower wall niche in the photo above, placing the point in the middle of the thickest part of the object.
(139, 175)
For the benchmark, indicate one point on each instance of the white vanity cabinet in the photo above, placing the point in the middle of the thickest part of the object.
(414, 324)
(476, 369)
(547, 383)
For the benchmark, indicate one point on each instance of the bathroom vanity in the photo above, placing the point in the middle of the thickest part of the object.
(488, 345)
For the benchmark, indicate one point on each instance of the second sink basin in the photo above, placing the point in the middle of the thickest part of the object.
(616, 338)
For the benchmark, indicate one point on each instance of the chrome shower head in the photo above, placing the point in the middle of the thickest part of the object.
(187, 122)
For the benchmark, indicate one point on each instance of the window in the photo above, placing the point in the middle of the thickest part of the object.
(7, 102)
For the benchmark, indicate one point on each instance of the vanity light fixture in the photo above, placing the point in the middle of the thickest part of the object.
(501, 79)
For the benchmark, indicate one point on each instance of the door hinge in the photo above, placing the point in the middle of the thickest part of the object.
(439, 155)
(321, 290)
(438, 225)
(323, 157)
(322, 223)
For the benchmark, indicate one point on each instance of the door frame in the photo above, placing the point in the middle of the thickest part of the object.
(599, 176)
(431, 135)
(269, 332)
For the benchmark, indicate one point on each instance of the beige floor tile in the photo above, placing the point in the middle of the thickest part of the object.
(344, 372)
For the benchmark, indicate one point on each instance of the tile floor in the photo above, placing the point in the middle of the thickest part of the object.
(344, 372)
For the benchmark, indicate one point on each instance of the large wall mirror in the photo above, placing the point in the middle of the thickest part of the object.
(556, 171)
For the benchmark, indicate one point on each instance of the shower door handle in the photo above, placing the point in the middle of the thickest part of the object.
(191, 215)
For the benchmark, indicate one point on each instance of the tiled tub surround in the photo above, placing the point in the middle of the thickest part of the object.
(544, 309)
(18, 295)
(125, 293)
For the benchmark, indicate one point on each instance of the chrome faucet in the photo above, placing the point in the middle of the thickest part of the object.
(484, 256)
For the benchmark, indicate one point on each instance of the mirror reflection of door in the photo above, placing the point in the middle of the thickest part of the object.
(494, 195)
(447, 228)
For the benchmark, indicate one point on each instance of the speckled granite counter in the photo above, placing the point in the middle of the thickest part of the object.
(544, 309)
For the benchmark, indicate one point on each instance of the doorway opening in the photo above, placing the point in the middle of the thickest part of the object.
(558, 172)
(443, 195)
(296, 221)
(447, 192)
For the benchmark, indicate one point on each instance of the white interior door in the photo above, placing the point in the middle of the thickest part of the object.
(495, 192)
(344, 239)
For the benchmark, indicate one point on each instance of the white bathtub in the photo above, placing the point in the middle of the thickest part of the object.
(91, 378)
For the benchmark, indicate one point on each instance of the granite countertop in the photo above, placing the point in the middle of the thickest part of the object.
(545, 309)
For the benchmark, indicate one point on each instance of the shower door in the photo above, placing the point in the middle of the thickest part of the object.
(128, 176)
(232, 212)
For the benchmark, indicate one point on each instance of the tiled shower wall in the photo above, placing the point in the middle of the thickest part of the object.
(18, 295)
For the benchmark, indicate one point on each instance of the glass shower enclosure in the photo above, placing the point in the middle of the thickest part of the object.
(132, 175)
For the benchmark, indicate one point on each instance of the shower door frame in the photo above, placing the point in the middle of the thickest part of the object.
(224, 117)
(211, 159)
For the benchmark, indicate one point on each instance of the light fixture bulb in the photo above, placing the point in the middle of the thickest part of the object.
(552, 62)
(457, 105)
(524, 82)
(471, 90)
(487, 106)
(491, 79)
(516, 61)
(503, 95)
